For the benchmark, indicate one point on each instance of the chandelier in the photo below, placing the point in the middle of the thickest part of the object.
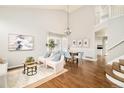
(68, 31)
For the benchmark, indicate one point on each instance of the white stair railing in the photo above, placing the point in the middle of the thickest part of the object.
(116, 45)
(105, 12)
(115, 51)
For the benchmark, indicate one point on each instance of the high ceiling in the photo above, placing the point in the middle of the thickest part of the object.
(48, 7)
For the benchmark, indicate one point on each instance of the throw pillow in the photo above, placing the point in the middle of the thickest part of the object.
(47, 55)
(54, 53)
(57, 57)
(62, 53)
(67, 54)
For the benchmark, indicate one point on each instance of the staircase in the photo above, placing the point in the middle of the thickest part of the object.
(115, 72)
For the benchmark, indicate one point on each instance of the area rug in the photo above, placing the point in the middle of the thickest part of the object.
(16, 78)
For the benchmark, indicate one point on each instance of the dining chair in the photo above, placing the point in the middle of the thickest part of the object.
(79, 56)
(67, 56)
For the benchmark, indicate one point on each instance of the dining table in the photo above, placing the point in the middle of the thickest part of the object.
(74, 54)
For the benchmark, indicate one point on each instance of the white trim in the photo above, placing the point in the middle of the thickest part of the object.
(118, 73)
(115, 81)
(90, 59)
(122, 67)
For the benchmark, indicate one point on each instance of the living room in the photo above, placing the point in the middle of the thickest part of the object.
(31, 21)
(72, 28)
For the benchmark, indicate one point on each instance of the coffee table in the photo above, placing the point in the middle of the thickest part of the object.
(30, 68)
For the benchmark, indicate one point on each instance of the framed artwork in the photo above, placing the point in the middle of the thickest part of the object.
(86, 43)
(20, 42)
(74, 43)
(80, 43)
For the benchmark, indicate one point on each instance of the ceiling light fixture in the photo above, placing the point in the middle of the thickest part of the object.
(68, 31)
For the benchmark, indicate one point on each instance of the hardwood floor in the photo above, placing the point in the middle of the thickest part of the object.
(86, 74)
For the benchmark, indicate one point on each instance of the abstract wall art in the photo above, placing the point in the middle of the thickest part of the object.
(20, 42)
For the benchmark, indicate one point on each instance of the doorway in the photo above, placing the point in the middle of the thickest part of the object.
(101, 42)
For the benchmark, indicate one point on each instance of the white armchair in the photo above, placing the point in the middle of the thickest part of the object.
(58, 65)
(44, 60)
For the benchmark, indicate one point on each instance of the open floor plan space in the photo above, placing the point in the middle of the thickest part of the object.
(62, 46)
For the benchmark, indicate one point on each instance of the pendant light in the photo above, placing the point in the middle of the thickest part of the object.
(68, 31)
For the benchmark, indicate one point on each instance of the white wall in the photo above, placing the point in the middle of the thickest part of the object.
(32, 22)
(115, 33)
(82, 25)
(37, 23)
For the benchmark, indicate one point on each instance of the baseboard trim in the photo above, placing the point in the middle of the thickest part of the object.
(14, 67)
(90, 59)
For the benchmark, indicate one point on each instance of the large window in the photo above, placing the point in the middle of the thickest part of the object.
(60, 40)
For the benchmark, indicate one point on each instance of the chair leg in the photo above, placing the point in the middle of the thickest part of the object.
(27, 70)
(24, 69)
(65, 59)
(32, 70)
(35, 68)
(77, 60)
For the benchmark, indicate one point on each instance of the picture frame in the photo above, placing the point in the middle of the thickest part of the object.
(18, 42)
(80, 43)
(86, 43)
(74, 43)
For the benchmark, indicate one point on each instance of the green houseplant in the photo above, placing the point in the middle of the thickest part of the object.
(51, 44)
(30, 59)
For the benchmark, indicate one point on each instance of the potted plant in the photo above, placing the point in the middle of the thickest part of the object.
(51, 45)
(30, 60)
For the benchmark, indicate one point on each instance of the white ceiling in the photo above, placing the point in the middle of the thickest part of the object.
(48, 7)
(58, 7)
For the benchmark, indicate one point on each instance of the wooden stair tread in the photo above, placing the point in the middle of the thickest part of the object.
(116, 66)
(109, 71)
(121, 62)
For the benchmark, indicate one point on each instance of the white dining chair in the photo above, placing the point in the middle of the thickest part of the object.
(79, 56)
(67, 56)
